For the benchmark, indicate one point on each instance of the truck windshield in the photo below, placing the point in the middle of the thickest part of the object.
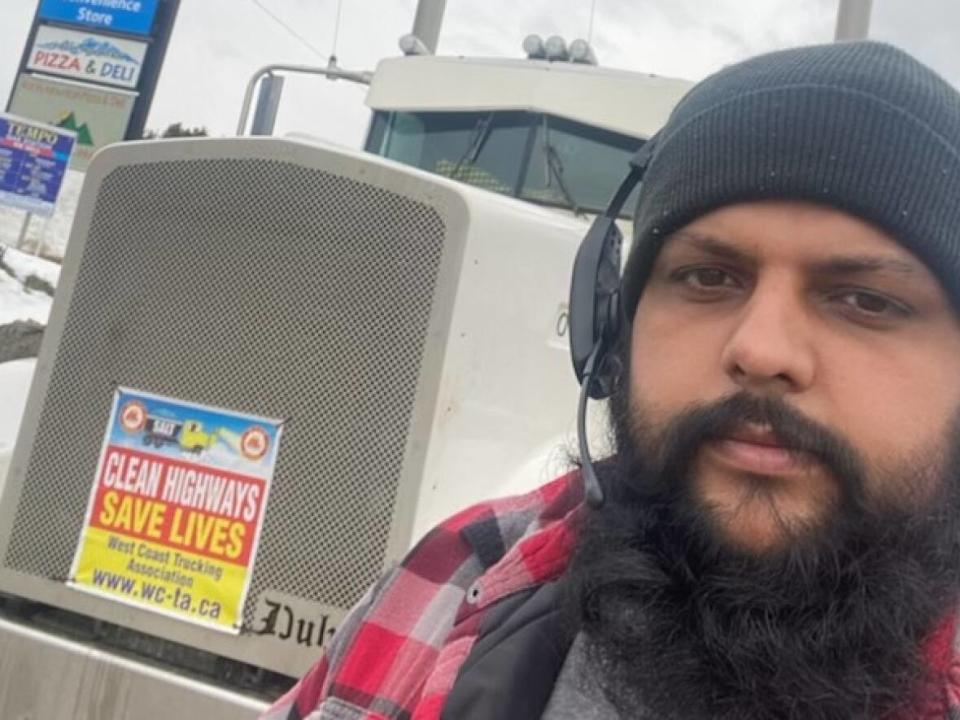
(540, 158)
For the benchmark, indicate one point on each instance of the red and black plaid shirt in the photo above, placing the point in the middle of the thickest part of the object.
(398, 653)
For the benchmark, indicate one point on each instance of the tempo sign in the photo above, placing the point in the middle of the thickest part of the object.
(86, 56)
(123, 16)
(33, 161)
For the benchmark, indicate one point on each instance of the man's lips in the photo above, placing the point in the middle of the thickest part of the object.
(757, 450)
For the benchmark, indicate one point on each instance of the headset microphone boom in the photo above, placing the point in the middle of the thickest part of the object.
(596, 313)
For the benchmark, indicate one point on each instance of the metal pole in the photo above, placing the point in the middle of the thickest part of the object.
(152, 64)
(331, 71)
(23, 231)
(427, 22)
(268, 100)
(853, 20)
(41, 245)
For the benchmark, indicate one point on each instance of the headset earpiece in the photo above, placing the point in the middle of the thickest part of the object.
(595, 313)
(595, 301)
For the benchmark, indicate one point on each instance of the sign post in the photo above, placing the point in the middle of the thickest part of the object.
(22, 238)
(153, 63)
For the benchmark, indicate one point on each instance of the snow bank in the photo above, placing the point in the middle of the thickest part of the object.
(24, 265)
(17, 302)
(15, 379)
(14, 383)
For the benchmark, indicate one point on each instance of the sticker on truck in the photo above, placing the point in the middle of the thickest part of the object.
(176, 508)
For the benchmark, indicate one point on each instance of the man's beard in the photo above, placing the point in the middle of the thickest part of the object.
(680, 624)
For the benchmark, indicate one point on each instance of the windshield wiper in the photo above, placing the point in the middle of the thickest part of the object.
(554, 166)
(478, 138)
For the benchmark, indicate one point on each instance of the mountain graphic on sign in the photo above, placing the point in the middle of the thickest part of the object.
(96, 48)
(69, 122)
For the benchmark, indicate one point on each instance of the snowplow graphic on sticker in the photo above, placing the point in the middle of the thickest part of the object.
(188, 434)
(195, 439)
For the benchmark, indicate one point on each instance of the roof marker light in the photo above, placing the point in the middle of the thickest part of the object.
(410, 44)
(533, 47)
(582, 52)
(556, 48)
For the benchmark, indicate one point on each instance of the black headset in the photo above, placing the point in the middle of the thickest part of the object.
(596, 314)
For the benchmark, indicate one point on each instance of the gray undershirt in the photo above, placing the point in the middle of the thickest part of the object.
(577, 694)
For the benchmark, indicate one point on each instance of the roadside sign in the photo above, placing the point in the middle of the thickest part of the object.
(122, 16)
(98, 115)
(86, 56)
(33, 161)
(175, 511)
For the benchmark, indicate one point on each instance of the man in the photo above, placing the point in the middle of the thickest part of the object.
(780, 535)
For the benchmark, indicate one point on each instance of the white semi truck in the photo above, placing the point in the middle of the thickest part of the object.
(399, 311)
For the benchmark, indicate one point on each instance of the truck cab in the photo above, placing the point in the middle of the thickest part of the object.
(556, 134)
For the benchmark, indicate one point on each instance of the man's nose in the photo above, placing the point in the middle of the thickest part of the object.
(770, 348)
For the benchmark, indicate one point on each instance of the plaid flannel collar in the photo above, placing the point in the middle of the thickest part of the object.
(398, 652)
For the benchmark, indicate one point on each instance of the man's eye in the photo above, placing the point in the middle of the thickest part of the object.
(873, 304)
(705, 278)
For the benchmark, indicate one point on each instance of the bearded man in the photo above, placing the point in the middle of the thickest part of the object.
(777, 534)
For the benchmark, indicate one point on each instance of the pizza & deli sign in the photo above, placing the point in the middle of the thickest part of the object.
(87, 56)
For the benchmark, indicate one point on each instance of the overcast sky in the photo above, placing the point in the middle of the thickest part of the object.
(218, 44)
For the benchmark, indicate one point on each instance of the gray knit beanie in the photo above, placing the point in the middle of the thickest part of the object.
(859, 126)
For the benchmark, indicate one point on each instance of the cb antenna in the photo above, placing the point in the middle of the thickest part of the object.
(336, 35)
(593, 8)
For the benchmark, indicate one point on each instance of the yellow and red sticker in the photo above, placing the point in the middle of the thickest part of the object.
(176, 508)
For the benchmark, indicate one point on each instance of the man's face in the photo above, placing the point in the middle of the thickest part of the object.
(810, 306)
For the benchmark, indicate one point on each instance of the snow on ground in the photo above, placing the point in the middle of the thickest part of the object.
(24, 265)
(17, 302)
(14, 383)
(47, 237)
